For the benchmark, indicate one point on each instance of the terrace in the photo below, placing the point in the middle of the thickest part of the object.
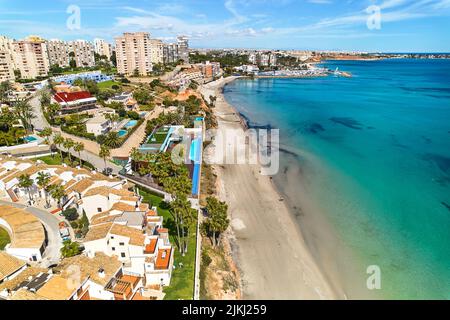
(124, 286)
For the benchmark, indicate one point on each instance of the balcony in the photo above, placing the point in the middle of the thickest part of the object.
(124, 286)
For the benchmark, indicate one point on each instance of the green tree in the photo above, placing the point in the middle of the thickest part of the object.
(217, 221)
(25, 112)
(136, 156)
(70, 249)
(184, 217)
(112, 139)
(79, 147)
(59, 141)
(26, 182)
(58, 193)
(45, 98)
(142, 96)
(5, 89)
(104, 153)
(43, 181)
(46, 134)
(68, 144)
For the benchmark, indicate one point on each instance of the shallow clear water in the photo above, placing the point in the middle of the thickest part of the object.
(383, 179)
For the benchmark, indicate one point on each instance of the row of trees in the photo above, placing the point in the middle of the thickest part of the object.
(56, 191)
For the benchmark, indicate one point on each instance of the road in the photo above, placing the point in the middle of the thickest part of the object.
(39, 122)
(51, 224)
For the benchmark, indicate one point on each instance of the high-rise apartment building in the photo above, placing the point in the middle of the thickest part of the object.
(183, 48)
(7, 63)
(103, 48)
(83, 53)
(170, 53)
(58, 53)
(156, 51)
(31, 57)
(133, 51)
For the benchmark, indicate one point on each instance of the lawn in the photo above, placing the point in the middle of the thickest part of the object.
(4, 238)
(108, 84)
(56, 161)
(182, 283)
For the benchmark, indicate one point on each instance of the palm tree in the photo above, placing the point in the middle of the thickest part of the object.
(25, 111)
(26, 182)
(53, 109)
(136, 156)
(68, 145)
(105, 152)
(217, 221)
(5, 88)
(79, 147)
(43, 181)
(58, 193)
(112, 139)
(59, 140)
(46, 133)
(70, 249)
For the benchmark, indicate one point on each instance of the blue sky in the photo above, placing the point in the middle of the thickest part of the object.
(406, 25)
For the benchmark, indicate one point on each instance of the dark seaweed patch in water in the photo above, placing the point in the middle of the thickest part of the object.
(426, 140)
(446, 205)
(252, 125)
(371, 128)
(315, 128)
(396, 143)
(442, 162)
(347, 122)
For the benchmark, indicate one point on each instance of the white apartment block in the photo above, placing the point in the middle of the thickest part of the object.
(183, 48)
(31, 57)
(133, 51)
(156, 51)
(58, 53)
(7, 63)
(102, 48)
(84, 53)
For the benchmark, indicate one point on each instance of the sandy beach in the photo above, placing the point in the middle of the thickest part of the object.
(268, 247)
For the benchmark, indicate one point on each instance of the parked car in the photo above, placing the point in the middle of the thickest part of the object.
(64, 231)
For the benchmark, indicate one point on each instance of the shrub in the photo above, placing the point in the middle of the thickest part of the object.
(71, 214)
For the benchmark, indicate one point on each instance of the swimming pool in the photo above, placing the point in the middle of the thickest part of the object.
(122, 133)
(131, 124)
(195, 155)
(30, 139)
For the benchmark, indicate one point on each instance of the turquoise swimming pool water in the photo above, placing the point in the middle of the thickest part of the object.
(30, 139)
(122, 133)
(374, 151)
(131, 124)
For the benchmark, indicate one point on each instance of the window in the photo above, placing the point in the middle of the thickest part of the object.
(123, 255)
(99, 210)
(113, 249)
(121, 243)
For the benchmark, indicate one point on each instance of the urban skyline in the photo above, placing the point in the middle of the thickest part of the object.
(307, 25)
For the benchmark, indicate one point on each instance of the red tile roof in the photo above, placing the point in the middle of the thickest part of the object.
(71, 96)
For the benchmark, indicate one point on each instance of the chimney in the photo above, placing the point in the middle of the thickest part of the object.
(101, 273)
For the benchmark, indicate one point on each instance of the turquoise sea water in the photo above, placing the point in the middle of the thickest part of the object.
(382, 179)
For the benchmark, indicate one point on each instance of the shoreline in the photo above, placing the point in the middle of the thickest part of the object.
(268, 246)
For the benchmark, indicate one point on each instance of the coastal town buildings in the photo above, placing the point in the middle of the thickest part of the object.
(103, 48)
(82, 52)
(58, 53)
(133, 52)
(7, 63)
(28, 237)
(183, 48)
(96, 76)
(31, 57)
(74, 102)
(156, 51)
(98, 125)
(10, 266)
